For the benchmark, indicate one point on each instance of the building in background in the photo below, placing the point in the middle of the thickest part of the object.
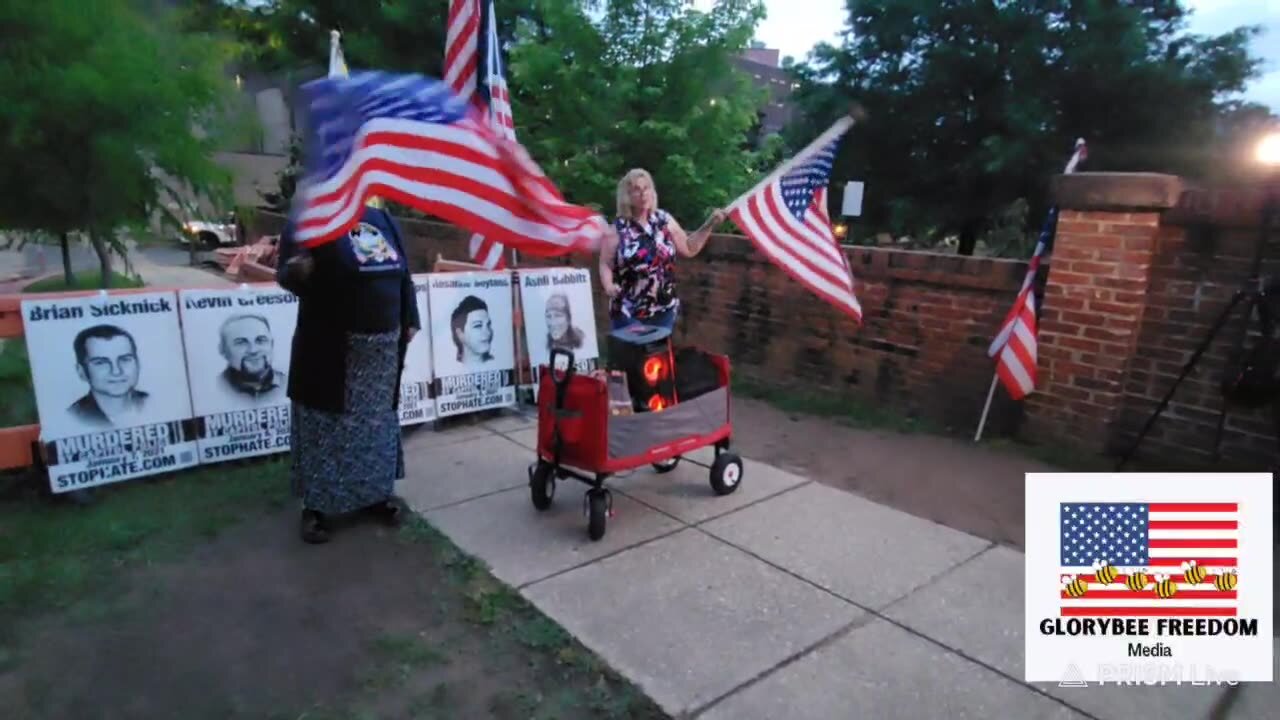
(763, 66)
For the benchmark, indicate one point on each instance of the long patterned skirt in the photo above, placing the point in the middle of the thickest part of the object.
(342, 462)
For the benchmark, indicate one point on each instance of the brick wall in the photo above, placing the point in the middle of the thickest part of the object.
(1202, 256)
(1140, 271)
(928, 319)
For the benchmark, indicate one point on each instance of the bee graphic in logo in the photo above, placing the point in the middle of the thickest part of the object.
(1165, 588)
(1226, 580)
(1137, 580)
(1104, 571)
(369, 245)
(1193, 573)
(1074, 586)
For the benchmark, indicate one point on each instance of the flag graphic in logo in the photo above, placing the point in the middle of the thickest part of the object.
(1136, 559)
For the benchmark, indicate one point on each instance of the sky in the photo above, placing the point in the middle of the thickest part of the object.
(795, 26)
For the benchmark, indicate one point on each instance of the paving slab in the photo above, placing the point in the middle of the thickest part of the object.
(686, 491)
(522, 545)
(862, 551)
(978, 608)
(884, 672)
(689, 618)
(426, 436)
(443, 474)
(527, 437)
(512, 420)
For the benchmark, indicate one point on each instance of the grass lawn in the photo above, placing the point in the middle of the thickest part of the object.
(191, 596)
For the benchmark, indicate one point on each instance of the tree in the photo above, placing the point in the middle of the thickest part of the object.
(104, 104)
(974, 104)
(649, 84)
(645, 83)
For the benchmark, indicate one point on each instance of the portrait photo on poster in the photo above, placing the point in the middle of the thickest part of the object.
(238, 344)
(471, 316)
(559, 312)
(416, 403)
(106, 363)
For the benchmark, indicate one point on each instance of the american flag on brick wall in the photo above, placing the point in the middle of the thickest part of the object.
(786, 218)
(1015, 346)
(482, 83)
(1141, 559)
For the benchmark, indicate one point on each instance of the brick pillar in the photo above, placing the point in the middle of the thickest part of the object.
(1094, 302)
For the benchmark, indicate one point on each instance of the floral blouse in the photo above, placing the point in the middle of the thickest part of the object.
(644, 267)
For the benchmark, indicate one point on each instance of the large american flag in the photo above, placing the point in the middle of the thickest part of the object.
(1015, 345)
(786, 218)
(410, 139)
(462, 71)
(1139, 543)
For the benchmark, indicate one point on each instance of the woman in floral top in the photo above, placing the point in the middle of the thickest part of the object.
(637, 261)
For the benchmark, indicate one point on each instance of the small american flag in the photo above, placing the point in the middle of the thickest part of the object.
(485, 87)
(1148, 559)
(411, 139)
(786, 218)
(1015, 346)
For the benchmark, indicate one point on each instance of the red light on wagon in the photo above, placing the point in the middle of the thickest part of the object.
(656, 403)
(654, 370)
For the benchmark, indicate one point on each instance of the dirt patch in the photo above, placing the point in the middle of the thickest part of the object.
(256, 624)
(968, 487)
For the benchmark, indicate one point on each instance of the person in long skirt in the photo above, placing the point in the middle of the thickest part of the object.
(356, 315)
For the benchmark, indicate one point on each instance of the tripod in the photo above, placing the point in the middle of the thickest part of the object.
(1247, 381)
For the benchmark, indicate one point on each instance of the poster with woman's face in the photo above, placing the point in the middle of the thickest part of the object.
(472, 341)
(110, 378)
(416, 403)
(559, 313)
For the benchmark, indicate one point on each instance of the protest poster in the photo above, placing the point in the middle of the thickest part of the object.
(238, 344)
(111, 387)
(559, 312)
(416, 402)
(472, 341)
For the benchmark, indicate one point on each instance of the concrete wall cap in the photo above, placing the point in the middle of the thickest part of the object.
(1116, 191)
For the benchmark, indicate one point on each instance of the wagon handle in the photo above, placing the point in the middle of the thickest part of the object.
(560, 374)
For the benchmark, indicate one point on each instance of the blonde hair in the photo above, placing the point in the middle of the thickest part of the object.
(624, 192)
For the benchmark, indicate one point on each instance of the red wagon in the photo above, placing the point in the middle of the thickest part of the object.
(582, 434)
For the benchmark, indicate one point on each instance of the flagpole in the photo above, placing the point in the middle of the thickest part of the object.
(836, 130)
(995, 376)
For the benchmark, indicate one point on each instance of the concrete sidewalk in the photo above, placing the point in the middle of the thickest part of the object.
(788, 599)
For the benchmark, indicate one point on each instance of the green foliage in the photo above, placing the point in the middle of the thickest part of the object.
(973, 104)
(598, 87)
(651, 85)
(105, 103)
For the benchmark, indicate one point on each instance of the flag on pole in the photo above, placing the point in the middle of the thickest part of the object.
(786, 218)
(411, 139)
(337, 64)
(1015, 346)
(464, 45)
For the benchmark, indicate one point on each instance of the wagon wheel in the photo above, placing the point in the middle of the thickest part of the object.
(666, 466)
(726, 473)
(542, 484)
(598, 502)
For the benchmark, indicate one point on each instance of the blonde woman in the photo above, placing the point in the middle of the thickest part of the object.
(637, 260)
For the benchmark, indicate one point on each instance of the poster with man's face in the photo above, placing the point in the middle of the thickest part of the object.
(416, 402)
(238, 344)
(559, 313)
(472, 341)
(111, 387)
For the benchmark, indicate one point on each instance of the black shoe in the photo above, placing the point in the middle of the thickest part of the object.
(390, 512)
(314, 528)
